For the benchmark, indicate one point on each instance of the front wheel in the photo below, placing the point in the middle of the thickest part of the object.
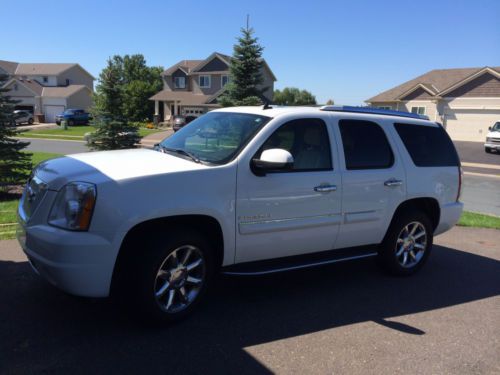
(487, 150)
(407, 244)
(171, 276)
(30, 121)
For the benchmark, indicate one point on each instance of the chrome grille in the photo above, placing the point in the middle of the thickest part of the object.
(32, 196)
(496, 140)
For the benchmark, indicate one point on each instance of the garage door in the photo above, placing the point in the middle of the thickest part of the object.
(470, 124)
(51, 111)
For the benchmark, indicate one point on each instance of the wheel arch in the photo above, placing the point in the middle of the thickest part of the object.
(429, 205)
(207, 225)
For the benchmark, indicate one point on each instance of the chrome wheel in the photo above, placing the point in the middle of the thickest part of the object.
(411, 244)
(179, 279)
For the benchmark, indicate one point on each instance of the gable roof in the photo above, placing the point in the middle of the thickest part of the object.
(436, 82)
(9, 66)
(30, 84)
(62, 92)
(46, 69)
(185, 65)
(224, 58)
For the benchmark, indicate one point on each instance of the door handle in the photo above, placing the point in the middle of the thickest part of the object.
(325, 188)
(393, 182)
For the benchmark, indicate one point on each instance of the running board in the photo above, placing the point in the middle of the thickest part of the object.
(298, 262)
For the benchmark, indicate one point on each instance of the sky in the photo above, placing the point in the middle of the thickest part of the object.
(347, 51)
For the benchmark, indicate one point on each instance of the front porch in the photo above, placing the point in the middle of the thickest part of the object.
(171, 103)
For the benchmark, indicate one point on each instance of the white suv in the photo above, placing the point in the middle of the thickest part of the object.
(244, 191)
(493, 139)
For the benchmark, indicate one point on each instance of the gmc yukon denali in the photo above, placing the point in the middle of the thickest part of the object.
(242, 191)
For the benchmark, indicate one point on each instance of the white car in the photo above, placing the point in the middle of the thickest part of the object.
(493, 139)
(243, 191)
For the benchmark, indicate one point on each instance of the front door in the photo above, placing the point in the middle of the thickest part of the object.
(292, 212)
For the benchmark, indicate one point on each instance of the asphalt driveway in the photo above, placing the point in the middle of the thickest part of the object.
(346, 318)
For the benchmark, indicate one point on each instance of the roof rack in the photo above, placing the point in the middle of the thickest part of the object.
(377, 111)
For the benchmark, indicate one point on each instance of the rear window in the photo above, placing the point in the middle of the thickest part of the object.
(365, 145)
(428, 146)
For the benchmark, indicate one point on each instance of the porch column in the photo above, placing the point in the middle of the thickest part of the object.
(175, 108)
(157, 107)
(166, 112)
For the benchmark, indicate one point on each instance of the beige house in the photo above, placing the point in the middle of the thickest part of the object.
(466, 101)
(48, 89)
(191, 87)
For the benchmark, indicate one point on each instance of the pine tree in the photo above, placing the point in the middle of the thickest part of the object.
(15, 166)
(113, 131)
(245, 72)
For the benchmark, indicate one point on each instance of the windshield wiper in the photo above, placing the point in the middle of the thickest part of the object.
(182, 152)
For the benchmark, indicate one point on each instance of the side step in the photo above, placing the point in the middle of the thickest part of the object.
(265, 267)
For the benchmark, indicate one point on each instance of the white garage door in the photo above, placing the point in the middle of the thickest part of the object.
(51, 111)
(470, 124)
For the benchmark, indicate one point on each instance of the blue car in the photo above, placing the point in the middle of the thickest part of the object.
(74, 117)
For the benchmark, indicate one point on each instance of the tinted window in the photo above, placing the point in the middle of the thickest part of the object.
(428, 146)
(307, 140)
(365, 145)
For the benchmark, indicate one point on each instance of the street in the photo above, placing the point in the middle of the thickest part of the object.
(346, 318)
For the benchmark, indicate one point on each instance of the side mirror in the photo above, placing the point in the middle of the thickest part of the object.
(272, 160)
(489, 128)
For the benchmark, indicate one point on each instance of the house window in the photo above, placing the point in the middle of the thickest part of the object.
(15, 87)
(387, 108)
(204, 81)
(45, 79)
(180, 82)
(224, 80)
(67, 81)
(418, 110)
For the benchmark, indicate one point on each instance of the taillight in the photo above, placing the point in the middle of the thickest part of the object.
(460, 173)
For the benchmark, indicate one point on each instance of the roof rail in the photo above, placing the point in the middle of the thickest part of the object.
(377, 111)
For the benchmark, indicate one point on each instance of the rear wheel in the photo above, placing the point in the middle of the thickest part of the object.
(170, 277)
(30, 121)
(407, 244)
(71, 122)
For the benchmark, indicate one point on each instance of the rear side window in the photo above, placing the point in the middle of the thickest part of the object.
(365, 145)
(428, 146)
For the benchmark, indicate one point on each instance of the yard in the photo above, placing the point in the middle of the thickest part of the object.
(73, 133)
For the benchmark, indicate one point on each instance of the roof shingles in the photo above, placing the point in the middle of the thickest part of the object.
(435, 81)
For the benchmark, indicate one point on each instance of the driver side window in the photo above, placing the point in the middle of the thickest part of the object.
(308, 142)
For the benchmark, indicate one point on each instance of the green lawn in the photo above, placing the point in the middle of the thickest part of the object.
(472, 219)
(74, 133)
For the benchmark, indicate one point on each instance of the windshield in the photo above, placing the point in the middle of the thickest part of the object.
(216, 137)
(68, 112)
(496, 127)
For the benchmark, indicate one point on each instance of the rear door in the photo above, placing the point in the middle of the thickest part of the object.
(373, 179)
(290, 212)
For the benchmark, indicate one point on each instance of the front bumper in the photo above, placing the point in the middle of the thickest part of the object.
(450, 214)
(79, 263)
(493, 146)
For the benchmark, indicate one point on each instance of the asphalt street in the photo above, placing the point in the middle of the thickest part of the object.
(347, 318)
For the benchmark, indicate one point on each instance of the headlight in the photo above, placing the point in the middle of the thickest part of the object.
(73, 206)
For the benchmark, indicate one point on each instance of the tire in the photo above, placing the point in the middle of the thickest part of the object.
(159, 291)
(405, 257)
(71, 122)
(487, 150)
(30, 121)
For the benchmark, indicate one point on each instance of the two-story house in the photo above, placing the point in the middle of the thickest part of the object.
(48, 89)
(191, 87)
(465, 100)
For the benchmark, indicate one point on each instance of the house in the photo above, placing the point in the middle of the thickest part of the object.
(191, 87)
(466, 101)
(48, 89)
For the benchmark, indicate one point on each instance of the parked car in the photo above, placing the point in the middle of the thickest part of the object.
(73, 117)
(22, 117)
(493, 139)
(179, 122)
(242, 191)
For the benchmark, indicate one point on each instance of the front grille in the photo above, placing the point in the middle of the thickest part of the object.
(32, 197)
(495, 140)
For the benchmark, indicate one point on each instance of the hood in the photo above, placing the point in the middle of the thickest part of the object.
(99, 167)
(494, 134)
